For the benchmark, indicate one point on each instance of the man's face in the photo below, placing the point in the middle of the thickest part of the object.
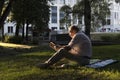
(71, 32)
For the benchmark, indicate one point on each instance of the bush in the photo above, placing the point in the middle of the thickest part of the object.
(111, 38)
(0, 38)
(35, 40)
(106, 38)
(13, 39)
(118, 37)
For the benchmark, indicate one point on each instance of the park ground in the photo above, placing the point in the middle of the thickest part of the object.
(17, 62)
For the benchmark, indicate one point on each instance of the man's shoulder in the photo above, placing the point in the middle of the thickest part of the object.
(79, 33)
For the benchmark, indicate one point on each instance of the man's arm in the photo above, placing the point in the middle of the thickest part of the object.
(57, 47)
(54, 46)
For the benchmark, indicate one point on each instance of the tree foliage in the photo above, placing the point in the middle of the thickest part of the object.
(118, 1)
(94, 12)
(6, 12)
(5, 7)
(66, 19)
(34, 12)
(1, 6)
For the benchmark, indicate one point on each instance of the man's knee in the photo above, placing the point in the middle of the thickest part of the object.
(62, 51)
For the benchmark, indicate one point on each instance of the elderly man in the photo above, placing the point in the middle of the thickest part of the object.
(79, 49)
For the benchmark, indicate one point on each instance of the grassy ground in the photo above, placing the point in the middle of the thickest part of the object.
(18, 63)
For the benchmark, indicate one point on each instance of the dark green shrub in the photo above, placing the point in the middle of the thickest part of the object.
(35, 40)
(13, 39)
(6, 38)
(118, 37)
(0, 38)
(107, 38)
(115, 38)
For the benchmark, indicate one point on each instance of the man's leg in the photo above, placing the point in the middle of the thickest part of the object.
(81, 60)
(61, 53)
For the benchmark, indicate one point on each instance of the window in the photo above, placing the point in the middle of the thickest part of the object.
(54, 8)
(54, 14)
(116, 15)
(69, 1)
(10, 29)
(62, 15)
(62, 1)
(54, 19)
(54, 1)
(54, 28)
(108, 22)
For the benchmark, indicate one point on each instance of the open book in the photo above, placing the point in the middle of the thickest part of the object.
(55, 46)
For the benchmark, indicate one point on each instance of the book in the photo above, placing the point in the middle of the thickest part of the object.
(54, 46)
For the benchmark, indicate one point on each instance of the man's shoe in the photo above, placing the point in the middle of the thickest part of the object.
(68, 66)
(64, 66)
(42, 65)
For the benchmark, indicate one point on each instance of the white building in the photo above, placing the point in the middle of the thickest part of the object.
(55, 14)
(115, 13)
(9, 28)
(113, 21)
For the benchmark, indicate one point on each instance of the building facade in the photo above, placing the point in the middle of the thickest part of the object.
(112, 25)
(112, 20)
(56, 14)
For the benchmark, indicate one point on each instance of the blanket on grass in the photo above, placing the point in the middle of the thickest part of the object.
(97, 63)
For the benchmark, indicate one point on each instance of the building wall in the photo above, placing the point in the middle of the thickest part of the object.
(58, 4)
(114, 17)
(9, 28)
(112, 20)
(115, 13)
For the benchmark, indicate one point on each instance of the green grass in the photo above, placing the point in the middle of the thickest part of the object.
(19, 64)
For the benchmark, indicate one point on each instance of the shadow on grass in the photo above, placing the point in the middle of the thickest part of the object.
(24, 58)
(8, 51)
(54, 76)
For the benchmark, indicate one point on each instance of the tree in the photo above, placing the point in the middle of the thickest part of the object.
(4, 13)
(1, 6)
(118, 1)
(1, 10)
(34, 12)
(66, 19)
(87, 17)
(92, 10)
(78, 12)
(98, 14)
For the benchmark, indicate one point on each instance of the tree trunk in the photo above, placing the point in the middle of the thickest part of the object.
(1, 6)
(2, 27)
(6, 13)
(23, 35)
(17, 30)
(27, 31)
(87, 20)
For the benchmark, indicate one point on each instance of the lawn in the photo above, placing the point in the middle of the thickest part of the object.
(18, 63)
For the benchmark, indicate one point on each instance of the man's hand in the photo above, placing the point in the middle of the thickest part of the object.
(54, 46)
(51, 44)
(67, 48)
